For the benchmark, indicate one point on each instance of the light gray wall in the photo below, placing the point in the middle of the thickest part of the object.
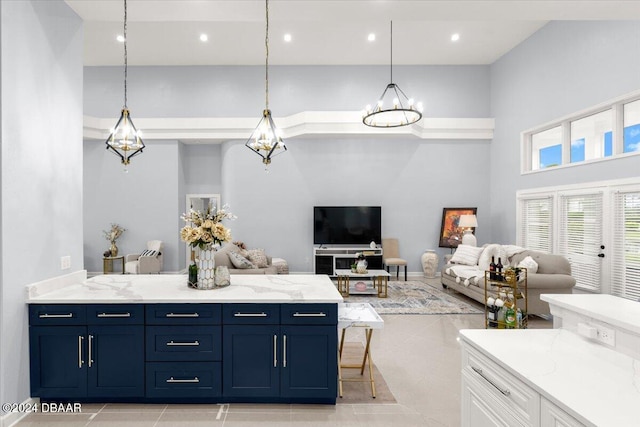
(411, 179)
(561, 69)
(144, 200)
(234, 91)
(41, 165)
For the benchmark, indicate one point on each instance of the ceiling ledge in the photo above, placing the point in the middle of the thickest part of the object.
(306, 124)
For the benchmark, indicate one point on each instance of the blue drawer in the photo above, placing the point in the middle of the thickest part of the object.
(251, 314)
(57, 314)
(183, 343)
(183, 314)
(115, 314)
(309, 314)
(178, 380)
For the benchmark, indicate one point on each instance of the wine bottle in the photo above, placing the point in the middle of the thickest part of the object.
(492, 269)
(499, 269)
(193, 271)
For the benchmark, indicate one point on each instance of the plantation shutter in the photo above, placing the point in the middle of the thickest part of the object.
(625, 268)
(580, 237)
(535, 230)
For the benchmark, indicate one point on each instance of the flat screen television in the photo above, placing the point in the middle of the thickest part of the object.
(347, 225)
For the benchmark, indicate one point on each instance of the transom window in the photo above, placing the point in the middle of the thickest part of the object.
(605, 131)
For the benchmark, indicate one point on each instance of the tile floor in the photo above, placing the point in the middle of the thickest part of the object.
(418, 355)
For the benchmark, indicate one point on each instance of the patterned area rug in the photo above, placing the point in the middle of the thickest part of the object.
(414, 297)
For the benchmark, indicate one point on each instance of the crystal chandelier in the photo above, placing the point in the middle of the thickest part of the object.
(400, 110)
(266, 139)
(124, 140)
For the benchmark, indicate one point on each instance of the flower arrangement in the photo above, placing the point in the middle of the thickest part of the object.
(204, 228)
(113, 234)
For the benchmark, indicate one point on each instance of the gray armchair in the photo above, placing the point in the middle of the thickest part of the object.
(149, 261)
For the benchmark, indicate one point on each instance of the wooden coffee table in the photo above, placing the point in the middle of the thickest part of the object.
(379, 283)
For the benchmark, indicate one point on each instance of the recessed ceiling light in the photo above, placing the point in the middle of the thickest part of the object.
(204, 37)
(371, 37)
(455, 37)
(287, 37)
(120, 38)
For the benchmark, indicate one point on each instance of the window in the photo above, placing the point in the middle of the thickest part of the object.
(626, 243)
(580, 237)
(588, 136)
(547, 148)
(602, 132)
(535, 224)
(631, 120)
(595, 225)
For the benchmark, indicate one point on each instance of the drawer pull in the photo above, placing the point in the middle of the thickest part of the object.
(172, 343)
(90, 345)
(194, 380)
(249, 314)
(114, 314)
(182, 315)
(296, 314)
(55, 316)
(504, 391)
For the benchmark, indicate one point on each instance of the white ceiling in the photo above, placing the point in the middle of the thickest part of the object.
(166, 32)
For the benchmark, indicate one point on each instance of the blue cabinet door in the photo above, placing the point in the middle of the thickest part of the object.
(115, 361)
(309, 361)
(251, 361)
(58, 361)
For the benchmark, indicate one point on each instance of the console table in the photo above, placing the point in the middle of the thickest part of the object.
(379, 281)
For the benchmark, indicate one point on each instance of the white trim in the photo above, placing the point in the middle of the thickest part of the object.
(577, 187)
(10, 419)
(212, 130)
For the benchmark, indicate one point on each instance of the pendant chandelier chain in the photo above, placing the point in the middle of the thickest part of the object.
(125, 53)
(266, 64)
(391, 61)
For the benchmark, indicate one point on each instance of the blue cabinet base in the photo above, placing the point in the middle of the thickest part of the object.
(184, 353)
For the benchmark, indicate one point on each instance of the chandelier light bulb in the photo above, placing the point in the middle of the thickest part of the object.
(411, 101)
(395, 102)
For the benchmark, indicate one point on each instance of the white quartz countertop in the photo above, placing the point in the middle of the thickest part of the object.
(165, 288)
(613, 310)
(596, 385)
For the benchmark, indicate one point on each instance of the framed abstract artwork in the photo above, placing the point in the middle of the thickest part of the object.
(450, 232)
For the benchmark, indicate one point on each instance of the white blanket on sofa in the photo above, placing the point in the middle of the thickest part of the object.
(466, 273)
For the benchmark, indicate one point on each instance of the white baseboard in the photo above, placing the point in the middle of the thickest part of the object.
(10, 419)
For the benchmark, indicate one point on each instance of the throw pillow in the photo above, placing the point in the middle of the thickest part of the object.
(149, 252)
(467, 255)
(530, 264)
(239, 261)
(258, 257)
(493, 250)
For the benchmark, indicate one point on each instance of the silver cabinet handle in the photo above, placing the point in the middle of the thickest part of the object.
(275, 349)
(114, 314)
(284, 351)
(90, 344)
(249, 314)
(194, 380)
(172, 343)
(55, 316)
(182, 315)
(504, 391)
(296, 314)
(80, 362)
